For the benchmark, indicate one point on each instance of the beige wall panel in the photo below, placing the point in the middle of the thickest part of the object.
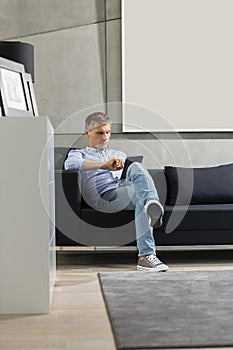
(113, 9)
(177, 62)
(69, 71)
(113, 42)
(19, 18)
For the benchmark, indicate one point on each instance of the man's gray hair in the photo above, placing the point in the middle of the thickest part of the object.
(96, 119)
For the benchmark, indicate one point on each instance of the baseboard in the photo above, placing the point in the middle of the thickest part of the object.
(134, 249)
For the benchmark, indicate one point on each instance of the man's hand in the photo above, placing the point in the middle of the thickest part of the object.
(113, 164)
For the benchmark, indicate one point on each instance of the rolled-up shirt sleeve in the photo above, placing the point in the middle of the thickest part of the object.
(74, 160)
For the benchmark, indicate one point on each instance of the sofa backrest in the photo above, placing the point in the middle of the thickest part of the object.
(209, 185)
(60, 154)
(158, 175)
(205, 185)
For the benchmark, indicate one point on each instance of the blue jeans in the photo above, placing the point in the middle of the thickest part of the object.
(133, 194)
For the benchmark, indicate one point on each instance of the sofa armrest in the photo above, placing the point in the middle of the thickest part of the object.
(67, 190)
(67, 202)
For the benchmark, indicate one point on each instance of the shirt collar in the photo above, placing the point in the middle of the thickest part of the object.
(97, 150)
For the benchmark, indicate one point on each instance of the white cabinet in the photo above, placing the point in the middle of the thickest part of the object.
(27, 233)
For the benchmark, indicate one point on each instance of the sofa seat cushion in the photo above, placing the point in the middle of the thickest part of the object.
(202, 217)
(198, 217)
(101, 219)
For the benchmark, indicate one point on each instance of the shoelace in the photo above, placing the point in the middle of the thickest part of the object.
(153, 259)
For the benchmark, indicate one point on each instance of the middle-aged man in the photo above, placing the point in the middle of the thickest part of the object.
(100, 168)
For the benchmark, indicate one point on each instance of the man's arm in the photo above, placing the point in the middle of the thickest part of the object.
(112, 164)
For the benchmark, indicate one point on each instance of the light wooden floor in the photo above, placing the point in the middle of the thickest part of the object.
(78, 318)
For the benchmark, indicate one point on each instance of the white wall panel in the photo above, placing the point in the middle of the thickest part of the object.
(177, 61)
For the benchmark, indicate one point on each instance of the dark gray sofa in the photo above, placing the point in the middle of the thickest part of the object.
(207, 220)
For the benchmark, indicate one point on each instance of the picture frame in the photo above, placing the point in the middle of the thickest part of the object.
(14, 91)
(32, 95)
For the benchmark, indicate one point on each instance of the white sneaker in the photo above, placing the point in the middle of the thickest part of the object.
(151, 263)
(155, 212)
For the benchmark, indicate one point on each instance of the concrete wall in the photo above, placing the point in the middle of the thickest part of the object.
(78, 70)
(74, 42)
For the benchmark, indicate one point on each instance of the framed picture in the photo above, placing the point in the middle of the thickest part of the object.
(15, 98)
(32, 96)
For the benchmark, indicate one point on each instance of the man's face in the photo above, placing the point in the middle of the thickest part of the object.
(99, 136)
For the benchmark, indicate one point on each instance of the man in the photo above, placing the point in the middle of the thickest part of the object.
(100, 168)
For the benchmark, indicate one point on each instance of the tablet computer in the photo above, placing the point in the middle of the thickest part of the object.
(128, 161)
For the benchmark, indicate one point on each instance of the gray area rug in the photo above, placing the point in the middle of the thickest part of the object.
(169, 310)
